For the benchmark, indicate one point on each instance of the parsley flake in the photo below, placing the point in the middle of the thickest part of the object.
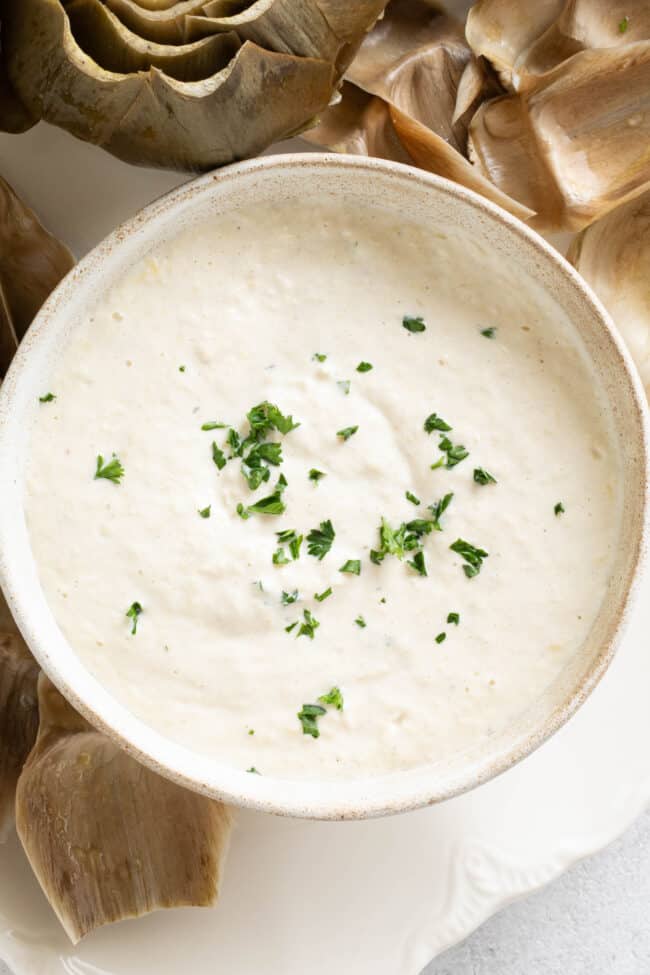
(417, 563)
(280, 557)
(133, 612)
(413, 324)
(181, 368)
(333, 697)
(242, 512)
(441, 637)
(623, 25)
(48, 398)
(112, 471)
(352, 566)
(218, 456)
(473, 556)
(364, 367)
(253, 770)
(213, 425)
(361, 623)
(559, 509)
(438, 509)
(319, 357)
(344, 386)
(481, 476)
(347, 432)
(271, 505)
(412, 498)
(315, 475)
(308, 718)
(308, 626)
(435, 422)
(205, 512)
(455, 452)
(291, 627)
(319, 540)
(489, 333)
(453, 618)
(290, 597)
(322, 596)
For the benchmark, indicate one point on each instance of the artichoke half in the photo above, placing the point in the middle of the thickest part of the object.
(186, 85)
(18, 715)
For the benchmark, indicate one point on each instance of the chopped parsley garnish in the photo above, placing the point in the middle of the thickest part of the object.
(213, 425)
(438, 509)
(453, 618)
(251, 731)
(308, 718)
(333, 697)
(455, 452)
(218, 456)
(377, 556)
(293, 540)
(435, 422)
(344, 386)
(253, 769)
(291, 627)
(205, 512)
(399, 541)
(181, 368)
(417, 563)
(412, 498)
(361, 622)
(623, 24)
(489, 333)
(280, 557)
(481, 476)
(352, 566)
(559, 508)
(413, 324)
(319, 357)
(271, 505)
(242, 512)
(48, 398)
(319, 540)
(315, 475)
(364, 367)
(347, 432)
(266, 416)
(133, 612)
(289, 597)
(441, 637)
(112, 471)
(473, 556)
(322, 596)
(308, 626)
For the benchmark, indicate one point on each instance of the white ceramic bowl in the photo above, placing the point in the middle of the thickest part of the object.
(410, 192)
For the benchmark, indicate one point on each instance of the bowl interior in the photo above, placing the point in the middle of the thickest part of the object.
(412, 194)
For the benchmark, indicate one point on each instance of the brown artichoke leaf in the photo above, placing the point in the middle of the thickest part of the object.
(18, 714)
(164, 24)
(107, 838)
(503, 30)
(575, 145)
(328, 29)
(613, 256)
(14, 117)
(153, 119)
(32, 262)
(101, 35)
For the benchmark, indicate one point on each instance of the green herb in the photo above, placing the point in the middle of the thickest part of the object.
(352, 566)
(473, 556)
(289, 597)
(218, 456)
(112, 471)
(455, 452)
(441, 637)
(319, 540)
(411, 497)
(273, 504)
(291, 627)
(435, 422)
(347, 432)
(253, 770)
(293, 540)
(383, 599)
(344, 386)
(242, 512)
(438, 463)
(481, 476)
(453, 618)
(266, 416)
(181, 368)
(48, 398)
(254, 467)
(315, 475)
(377, 556)
(319, 357)
(417, 563)
(308, 718)
(322, 596)
(280, 557)
(361, 622)
(623, 24)
(559, 509)
(234, 441)
(399, 541)
(132, 613)
(333, 697)
(213, 425)
(309, 625)
(251, 731)
(438, 509)
(364, 367)
(413, 324)
(205, 512)
(489, 333)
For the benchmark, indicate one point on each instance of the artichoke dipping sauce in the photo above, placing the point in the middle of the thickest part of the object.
(324, 493)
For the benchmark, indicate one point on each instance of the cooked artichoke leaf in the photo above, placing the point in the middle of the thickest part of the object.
(107, 838)
(613, 255)
(561, 148)
(150, 118)
(18, 716)
(101, 35)
(32, 262)
(164, 24)
(14, 116)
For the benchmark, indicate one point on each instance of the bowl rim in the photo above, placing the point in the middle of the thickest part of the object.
(265, 793)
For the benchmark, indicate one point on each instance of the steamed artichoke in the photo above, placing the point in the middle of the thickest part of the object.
(185, 85)
(18, 713)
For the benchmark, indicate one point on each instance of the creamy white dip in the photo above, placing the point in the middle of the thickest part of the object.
(231, 314)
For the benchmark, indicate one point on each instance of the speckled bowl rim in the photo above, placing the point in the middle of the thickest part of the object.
(359, 799)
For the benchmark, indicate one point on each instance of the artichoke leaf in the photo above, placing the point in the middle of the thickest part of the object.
(152, 119)
(32, 262)
(613, 256)
(107, 838)
(14, 117)
(18, 714)
(576, 144)
(164, 24)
